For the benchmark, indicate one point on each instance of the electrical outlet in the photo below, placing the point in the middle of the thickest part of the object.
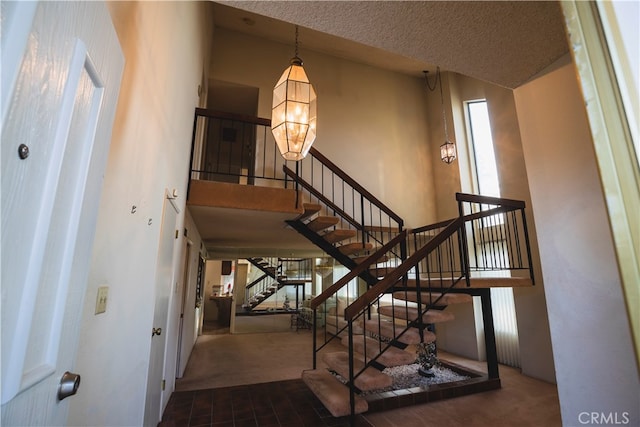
(101, 299)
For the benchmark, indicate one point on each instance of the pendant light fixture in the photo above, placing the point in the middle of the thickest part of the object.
(293, 112)
(448, 149)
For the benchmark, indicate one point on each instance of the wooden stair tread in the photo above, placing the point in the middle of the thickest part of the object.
(308, 210)
(436, 283)
(411, 314)
(332, 393)
(354, 248)
(392, 356)
(370, 379)
(428, 298)
(360, 259)
(387, 329)
(380, 271)
(500, 282)
(338, 235)
(322, 222)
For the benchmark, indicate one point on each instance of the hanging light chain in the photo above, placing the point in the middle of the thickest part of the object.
(438, 81)
(444, 117)
(447, 150)
(296, 51)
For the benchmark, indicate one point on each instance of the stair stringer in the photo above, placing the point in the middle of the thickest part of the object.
(330, 250)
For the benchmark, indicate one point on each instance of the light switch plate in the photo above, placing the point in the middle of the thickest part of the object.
(101, 299)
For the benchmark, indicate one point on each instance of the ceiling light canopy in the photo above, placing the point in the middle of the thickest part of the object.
(293, 113)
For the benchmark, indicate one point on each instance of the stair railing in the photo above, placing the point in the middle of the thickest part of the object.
(490, 235)
(258, 291)
(277, 272)
(323, 182)
(329, 297)
(271, 266)
(496, 236)
(228, 147)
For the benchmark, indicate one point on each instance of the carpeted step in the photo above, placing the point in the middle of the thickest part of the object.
(370, 379)
(354, 248)
(380, 271)
(360, 259)
(309, 209)
(339, 235)
(322, 222)
(447, 299)
(410, 313)
(332, 393)
(387, 329)
(392, 356)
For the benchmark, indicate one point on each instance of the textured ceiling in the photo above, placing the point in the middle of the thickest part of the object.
(503, 42)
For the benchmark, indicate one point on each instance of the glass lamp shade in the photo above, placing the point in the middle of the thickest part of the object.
(293, 113)
(448, 152)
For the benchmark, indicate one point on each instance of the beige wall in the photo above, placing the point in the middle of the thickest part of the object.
(164, 53)
(592, 348)
(371, 122)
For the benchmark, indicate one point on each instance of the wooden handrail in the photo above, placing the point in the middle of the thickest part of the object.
(466, 218)
(364, 265)
(390, 279)
(432, 226)
(476, 198)
(489, 212)
(335, 169)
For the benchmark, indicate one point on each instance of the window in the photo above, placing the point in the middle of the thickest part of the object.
(487, 183)
(483, 155)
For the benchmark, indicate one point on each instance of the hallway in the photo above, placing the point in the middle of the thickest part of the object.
(253, 379)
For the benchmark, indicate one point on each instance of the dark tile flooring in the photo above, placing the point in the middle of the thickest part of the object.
(278, 404)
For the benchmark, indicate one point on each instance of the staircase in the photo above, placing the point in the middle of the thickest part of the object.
(379, 341)
(405, 278)
(270, 282)
(406, 295)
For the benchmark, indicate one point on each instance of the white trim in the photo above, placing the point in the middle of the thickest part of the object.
(619, 172)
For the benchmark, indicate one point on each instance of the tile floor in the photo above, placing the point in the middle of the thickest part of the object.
(278, 404)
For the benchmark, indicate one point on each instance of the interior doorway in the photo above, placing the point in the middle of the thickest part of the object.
(230, 146)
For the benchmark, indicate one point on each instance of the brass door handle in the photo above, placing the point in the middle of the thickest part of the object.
(156, 331)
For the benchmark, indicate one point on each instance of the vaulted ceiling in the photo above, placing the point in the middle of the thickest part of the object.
(502, 42)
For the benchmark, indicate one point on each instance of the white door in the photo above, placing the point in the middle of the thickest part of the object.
(61, 71)
(164, 284)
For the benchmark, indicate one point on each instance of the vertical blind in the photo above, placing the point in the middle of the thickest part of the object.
(506, 328)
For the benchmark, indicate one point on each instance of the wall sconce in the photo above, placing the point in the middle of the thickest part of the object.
(448, 149)
(293, 112)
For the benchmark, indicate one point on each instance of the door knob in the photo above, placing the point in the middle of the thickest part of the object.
(69, 384)
(156, 331)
